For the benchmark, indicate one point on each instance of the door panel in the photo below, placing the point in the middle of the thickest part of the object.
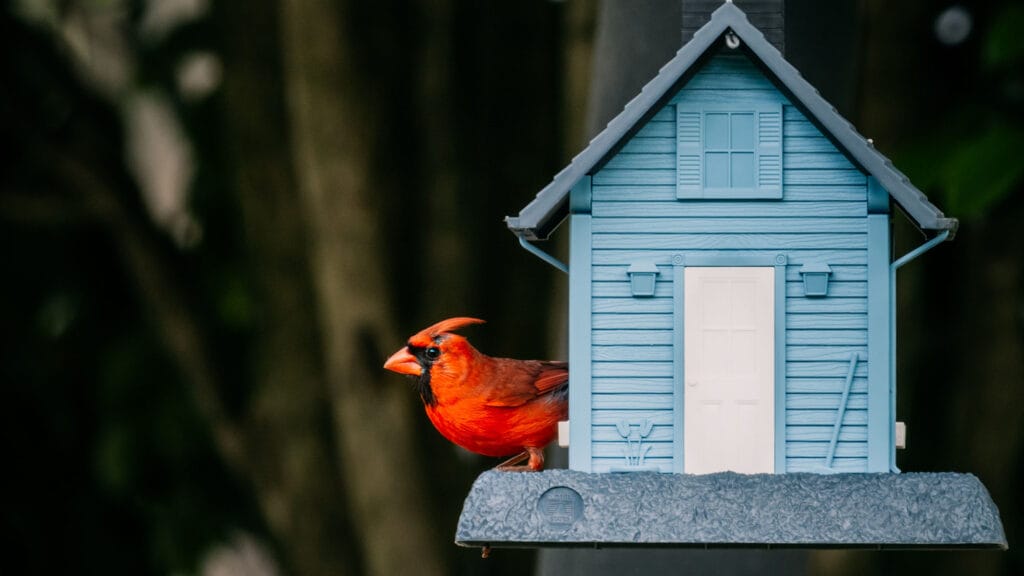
(729, 369)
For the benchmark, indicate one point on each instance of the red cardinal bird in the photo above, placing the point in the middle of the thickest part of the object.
(491, 406)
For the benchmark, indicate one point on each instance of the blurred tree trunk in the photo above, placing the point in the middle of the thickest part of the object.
(289, 458)
(380, 202)
(332, 126)
(314, 237)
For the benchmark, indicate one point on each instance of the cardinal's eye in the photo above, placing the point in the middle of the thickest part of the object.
(433, 352)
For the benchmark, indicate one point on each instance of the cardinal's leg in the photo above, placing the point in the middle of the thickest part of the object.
(535, 464)
(510, 465)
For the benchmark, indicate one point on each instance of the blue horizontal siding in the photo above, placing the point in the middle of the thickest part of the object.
(621, 288)
(796, 449)
(824, 369)
(816, 385)
(631, 322)
(616, 464)
(813, 143)
(649, 161)
(613, 417)
(611, 434)
(613, 385)
(826, 305)
(633, 192)
(658, 128)
(825, 401)
(708, 225)
(825, 418)
(634, 401)
(633, 353)
(626, 369)
(650, 145)
(840, 273)
(617, 449)
(859, 464)
(727, 241)
(635, 337)
(826, 322)
(823, 352)
(798, 126)
(837, 337)
(835, 289)
(797, 257)
(736, 98)
(632, 305)
(722, 208)
(824, 434)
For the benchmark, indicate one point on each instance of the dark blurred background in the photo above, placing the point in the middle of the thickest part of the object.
(218, 219)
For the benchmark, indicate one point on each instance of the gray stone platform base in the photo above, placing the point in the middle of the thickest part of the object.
(568, 508)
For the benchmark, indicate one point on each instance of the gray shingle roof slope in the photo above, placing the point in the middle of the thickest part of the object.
(542, 215)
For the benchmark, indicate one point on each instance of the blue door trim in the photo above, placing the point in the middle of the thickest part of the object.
(678, 346)
(679, 264)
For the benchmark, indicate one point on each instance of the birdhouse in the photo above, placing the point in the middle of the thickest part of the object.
(731, 326)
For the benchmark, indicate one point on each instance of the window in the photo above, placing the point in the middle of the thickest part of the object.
(729, 153)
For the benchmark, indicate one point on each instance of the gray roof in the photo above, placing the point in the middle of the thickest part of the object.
(542, 215)
(570, 508)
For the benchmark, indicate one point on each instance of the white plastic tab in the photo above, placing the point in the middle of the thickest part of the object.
(563, 433)
(901, 435)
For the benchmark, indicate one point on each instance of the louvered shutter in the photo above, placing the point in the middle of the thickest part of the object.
(689, 152)
(769, 152)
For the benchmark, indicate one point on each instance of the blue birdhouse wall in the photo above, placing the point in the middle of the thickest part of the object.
(730, 274)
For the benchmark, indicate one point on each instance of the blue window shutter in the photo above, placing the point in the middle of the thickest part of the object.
(689, 153)
(769, 152)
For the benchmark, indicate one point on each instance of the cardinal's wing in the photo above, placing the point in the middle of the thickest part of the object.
(516, 382)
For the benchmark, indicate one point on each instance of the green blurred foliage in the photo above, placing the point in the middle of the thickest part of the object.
(970, 159)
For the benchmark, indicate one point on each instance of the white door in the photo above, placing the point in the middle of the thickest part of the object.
(729, 369)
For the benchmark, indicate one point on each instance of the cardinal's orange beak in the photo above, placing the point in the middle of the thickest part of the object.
(403, 363)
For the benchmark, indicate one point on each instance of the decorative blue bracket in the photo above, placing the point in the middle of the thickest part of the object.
(543, 255)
